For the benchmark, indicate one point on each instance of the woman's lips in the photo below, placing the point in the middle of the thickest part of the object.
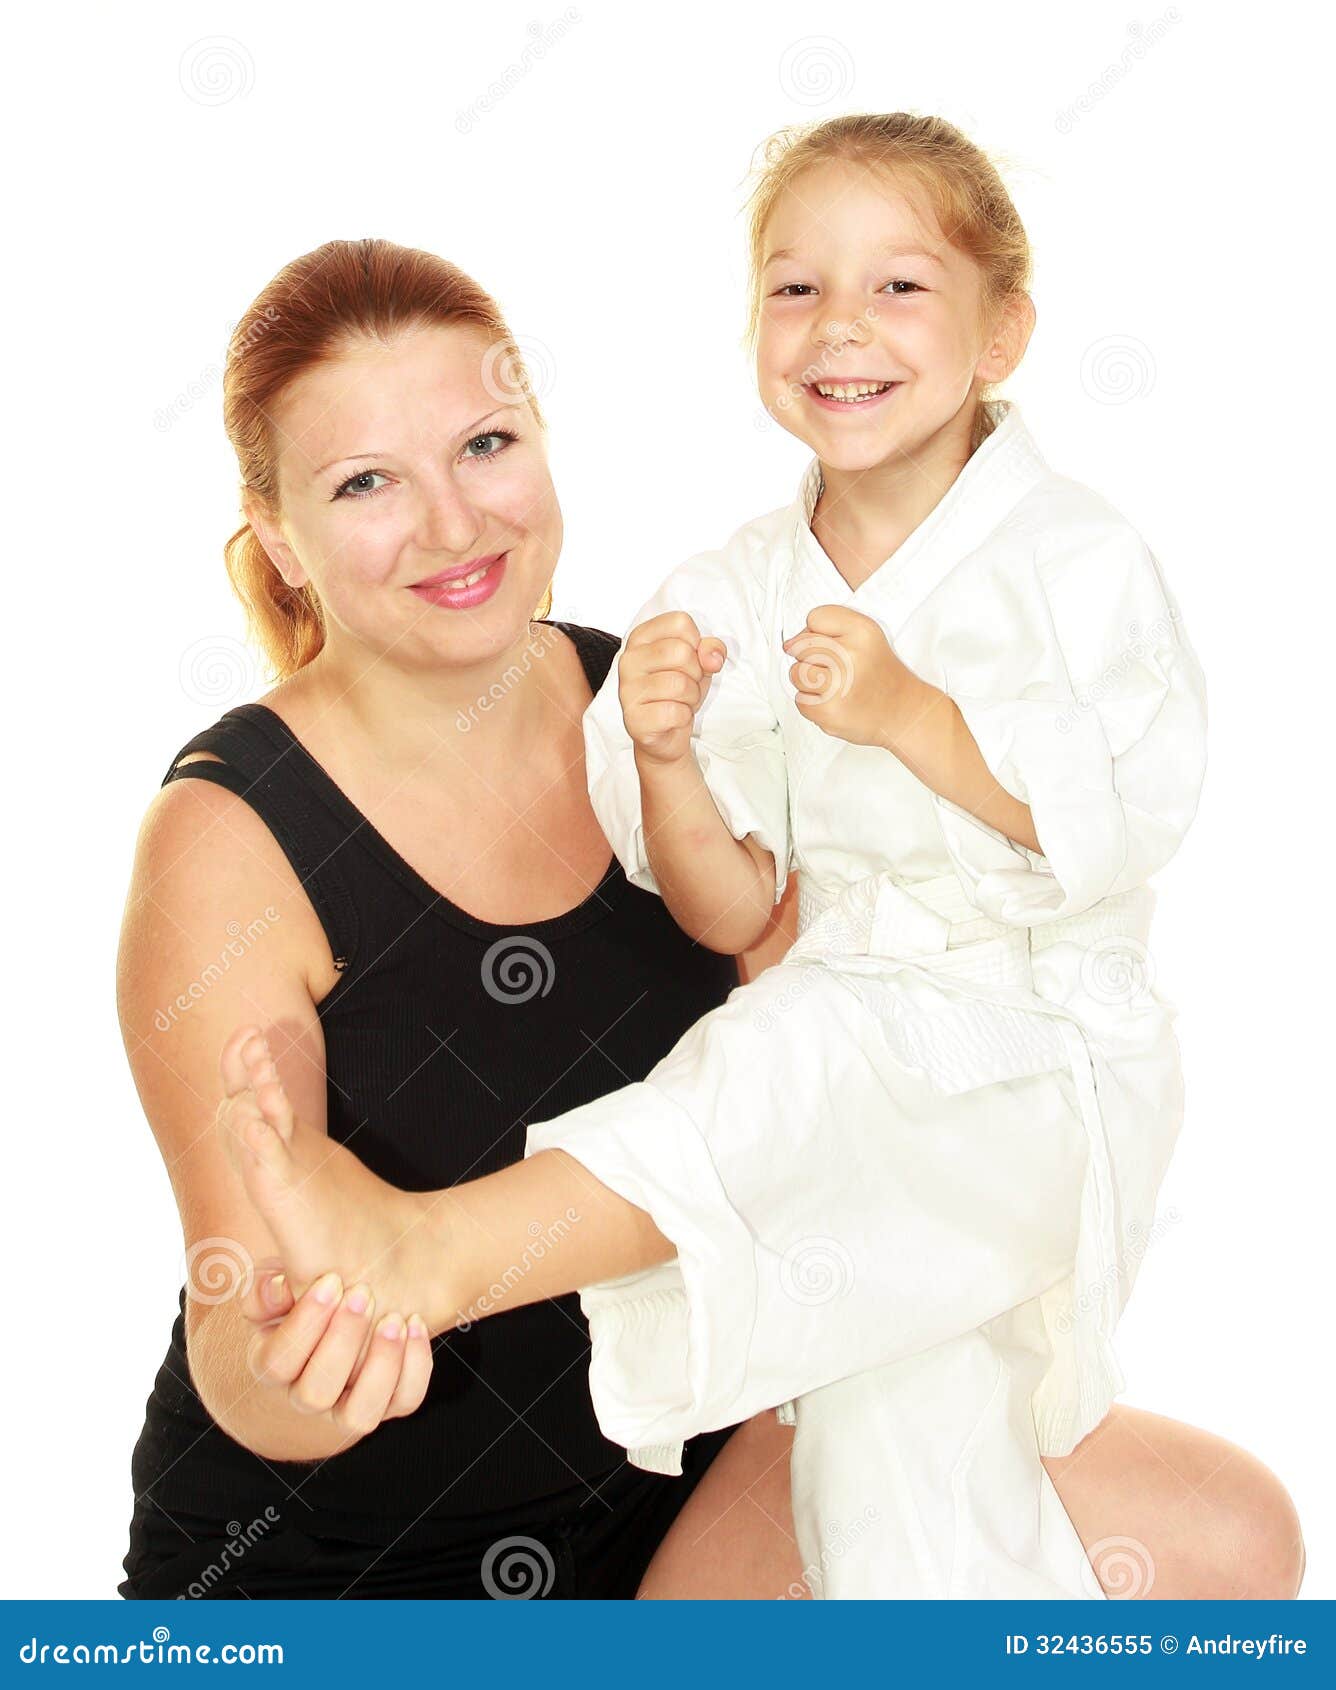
(454, 595)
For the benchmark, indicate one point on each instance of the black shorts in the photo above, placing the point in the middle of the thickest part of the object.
(591, 1541)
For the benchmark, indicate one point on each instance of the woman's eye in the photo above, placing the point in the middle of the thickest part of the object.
(355, 487)
(487, 445)
(901, 282)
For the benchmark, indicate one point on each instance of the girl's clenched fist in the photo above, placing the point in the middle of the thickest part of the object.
(662, 679)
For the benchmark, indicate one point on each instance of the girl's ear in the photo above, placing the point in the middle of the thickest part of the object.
(1011, 335)
(267, 531)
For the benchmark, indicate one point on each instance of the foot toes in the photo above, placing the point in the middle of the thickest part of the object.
(255, 1054)
(232, 1064)
(232, 1117)
(262, 1141)
(276, 1108)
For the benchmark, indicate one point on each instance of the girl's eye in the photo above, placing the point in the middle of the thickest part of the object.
(901, 282)
(788, 290)
(490, 444)
(355, 486)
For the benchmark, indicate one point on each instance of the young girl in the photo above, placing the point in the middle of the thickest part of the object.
(908, 1174)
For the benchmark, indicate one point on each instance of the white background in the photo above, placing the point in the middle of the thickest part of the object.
(1172, 168)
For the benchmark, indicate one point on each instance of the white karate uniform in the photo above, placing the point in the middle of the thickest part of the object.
(910, 1171)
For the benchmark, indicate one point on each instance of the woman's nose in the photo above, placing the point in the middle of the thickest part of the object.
(448, 521)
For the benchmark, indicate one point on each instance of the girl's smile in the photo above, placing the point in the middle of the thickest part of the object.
(852, 394)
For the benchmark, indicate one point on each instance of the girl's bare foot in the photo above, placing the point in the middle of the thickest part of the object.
(326, 1209)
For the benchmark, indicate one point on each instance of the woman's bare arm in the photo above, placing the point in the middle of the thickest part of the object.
(206, 870)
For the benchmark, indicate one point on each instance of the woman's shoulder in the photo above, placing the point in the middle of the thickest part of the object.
(202, 803)
(209, 802)
(208, 854)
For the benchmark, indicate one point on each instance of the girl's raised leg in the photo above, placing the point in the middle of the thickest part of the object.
(444, 1253)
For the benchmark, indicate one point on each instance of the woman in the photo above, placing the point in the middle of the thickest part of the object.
(433, 929)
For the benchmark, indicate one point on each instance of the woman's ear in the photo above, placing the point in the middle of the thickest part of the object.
(268, 531)
(1010, 336)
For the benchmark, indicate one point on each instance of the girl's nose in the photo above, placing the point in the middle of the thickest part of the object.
(834, 333)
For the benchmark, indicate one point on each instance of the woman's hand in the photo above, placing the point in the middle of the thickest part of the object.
(334, 1357)
(662, 679)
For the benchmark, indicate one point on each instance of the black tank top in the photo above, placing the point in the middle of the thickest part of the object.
(444, 1036)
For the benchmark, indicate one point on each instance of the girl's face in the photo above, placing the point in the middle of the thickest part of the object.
(869, 339)
(399, 464)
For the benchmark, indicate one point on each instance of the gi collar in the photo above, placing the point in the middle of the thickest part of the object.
(997, 476)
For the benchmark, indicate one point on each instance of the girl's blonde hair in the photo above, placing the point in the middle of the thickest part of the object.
(310, 311)
(937, 165)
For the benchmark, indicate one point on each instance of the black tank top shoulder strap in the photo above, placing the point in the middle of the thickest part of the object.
(596, 647)
(258, 765)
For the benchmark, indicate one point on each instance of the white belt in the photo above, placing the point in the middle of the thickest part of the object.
(884, 922)
(885, 916)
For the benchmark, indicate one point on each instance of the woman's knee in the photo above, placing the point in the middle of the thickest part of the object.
(1210, 1520)
(1266, 1539)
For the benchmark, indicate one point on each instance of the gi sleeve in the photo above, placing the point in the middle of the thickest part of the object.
(1108, 748)
(736, 737)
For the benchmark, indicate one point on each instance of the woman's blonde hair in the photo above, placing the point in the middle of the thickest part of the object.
(310, 311)
(931, 160)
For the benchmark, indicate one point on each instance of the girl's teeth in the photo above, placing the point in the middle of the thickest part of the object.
(468, 580)
(851, 390)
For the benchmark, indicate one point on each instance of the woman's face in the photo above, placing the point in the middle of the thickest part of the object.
(859, 290)
(403, 463)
